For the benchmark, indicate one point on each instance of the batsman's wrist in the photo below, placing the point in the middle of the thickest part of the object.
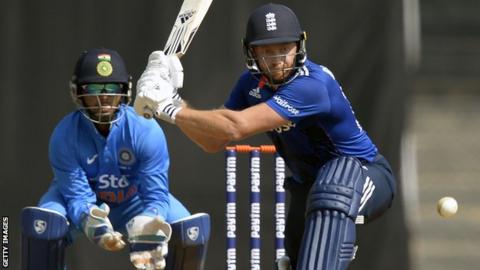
(169, 112)
(175, 112)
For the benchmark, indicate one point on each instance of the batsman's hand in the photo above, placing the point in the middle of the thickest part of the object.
(99, 230)
(157, 87)
(148, 238)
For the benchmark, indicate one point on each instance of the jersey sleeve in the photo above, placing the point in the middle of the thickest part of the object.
(153, 171)
(237, 100)
(301, 98)
(70, 176)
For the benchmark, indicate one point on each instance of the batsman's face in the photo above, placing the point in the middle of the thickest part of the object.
(276, 60)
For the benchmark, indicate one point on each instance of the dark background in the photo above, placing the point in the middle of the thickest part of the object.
(360, 41)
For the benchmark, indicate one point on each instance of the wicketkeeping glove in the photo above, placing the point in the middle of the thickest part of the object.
(148, 239)
(99, 230)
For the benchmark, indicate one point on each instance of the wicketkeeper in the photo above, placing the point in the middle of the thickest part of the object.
(110, 181)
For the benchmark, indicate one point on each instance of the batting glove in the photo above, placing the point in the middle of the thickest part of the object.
(99, 230)
(148, 238)
(157, 87)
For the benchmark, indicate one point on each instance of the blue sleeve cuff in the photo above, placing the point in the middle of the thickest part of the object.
(79, 214)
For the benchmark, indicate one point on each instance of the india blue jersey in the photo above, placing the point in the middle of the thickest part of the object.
(132, 162)
(322, 124)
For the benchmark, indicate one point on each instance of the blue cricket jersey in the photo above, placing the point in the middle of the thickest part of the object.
(131, 163)
(322, 124)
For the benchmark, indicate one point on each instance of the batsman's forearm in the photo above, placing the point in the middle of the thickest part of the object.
(207, 143)
(221, 124)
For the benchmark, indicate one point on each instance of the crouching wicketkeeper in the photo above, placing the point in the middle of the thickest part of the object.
(111, 181)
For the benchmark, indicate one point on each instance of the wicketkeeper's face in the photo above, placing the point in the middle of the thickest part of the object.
(102, 100)
(276, 60)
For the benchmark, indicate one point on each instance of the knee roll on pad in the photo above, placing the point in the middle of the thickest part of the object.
(329, 238)
(43, 239)
(338, 186)
(187, 248)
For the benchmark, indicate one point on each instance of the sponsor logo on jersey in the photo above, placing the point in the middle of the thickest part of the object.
(40, 226)
(284, 128)
(122, 190)
(255, 93)
(111, 181)
(270, 21)
(283, 103)
(126, 157)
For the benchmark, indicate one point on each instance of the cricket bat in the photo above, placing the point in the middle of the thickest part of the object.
(186, 25)
(184, 29)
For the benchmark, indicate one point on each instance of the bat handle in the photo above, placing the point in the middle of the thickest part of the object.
(147, 113)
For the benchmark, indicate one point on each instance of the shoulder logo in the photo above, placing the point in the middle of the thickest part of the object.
(40, 226)
(92, 159)
(255, 93)
(193, 233)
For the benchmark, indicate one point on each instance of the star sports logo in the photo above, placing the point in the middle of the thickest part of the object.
(270, 21)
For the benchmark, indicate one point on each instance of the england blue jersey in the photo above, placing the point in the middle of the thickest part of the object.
(131, 163)
(322, 124)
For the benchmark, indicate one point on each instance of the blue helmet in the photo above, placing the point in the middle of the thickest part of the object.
(273, 24)
(100, 72)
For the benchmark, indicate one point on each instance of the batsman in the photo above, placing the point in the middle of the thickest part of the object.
(338, 175)
(111, 181)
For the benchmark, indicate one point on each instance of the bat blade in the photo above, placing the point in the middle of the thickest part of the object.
(186, 25)
(188, 20)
